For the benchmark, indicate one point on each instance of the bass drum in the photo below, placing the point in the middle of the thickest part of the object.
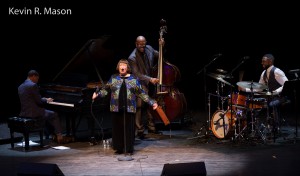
(217, 124)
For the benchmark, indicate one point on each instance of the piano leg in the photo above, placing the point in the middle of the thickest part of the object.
(70, 124)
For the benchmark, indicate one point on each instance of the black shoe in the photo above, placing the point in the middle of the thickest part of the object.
(118, 152)
(154, 132)
(141, 136)
(130, 152)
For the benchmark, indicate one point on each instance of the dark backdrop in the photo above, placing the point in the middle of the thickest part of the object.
(196, 32)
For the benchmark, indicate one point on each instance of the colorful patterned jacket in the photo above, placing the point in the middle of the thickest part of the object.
(133, 88)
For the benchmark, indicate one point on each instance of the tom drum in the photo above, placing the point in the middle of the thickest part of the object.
(238, 100)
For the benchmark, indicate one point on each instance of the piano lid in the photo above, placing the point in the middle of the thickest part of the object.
(93, 63)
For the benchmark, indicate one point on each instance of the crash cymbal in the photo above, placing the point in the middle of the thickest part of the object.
(219, 78)
(221, 71)
(249, 84)
(215, 75)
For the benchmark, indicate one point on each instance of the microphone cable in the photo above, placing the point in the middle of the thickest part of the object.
(93, 140)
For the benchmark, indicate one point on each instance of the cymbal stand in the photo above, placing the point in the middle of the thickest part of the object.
(231, 91)
(275, 120)
(255, 128)
(219, 95)
(205, 128)
(239, 115)
(216, 56)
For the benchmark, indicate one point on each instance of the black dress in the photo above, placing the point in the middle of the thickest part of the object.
(121, 119)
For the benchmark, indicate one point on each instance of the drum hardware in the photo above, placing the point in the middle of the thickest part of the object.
(219, 125)
(221, 71)
(202, 132)
(222, 124)
(240, 116)
(273, 119)
(255, 128)
(290, 91)
(205, 129)
(223, 99)
(207, 125)
(230, 74)
(215, 57)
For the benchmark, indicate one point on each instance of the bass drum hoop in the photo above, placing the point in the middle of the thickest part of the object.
(217, 124)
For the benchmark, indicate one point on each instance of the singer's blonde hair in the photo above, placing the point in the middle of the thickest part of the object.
(124, 61)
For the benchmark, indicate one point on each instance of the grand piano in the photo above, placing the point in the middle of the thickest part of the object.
(73, 86)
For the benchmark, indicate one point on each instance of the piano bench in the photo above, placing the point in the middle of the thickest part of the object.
(25, 125)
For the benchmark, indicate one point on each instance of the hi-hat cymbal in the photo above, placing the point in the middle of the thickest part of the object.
(219, 78)
(266, 93)
(249, 84)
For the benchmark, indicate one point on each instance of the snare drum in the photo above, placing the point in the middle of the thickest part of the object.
(257, 103)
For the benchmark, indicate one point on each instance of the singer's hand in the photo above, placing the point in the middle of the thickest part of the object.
(154, 80)
(155, 105)
(95, 95)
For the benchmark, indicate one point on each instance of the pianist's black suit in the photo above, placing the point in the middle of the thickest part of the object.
(32, 105)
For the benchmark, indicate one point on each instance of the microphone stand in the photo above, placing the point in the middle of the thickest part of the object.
(125, 157)
(204, 74)
(204, 79)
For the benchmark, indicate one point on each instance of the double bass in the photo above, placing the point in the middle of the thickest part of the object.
(166, 94)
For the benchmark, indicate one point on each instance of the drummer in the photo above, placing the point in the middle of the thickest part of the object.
(272, 79)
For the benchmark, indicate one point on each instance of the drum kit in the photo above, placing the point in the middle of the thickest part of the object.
(239, 120)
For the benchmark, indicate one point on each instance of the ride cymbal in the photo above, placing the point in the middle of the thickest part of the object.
(221, 71)
(253, 85)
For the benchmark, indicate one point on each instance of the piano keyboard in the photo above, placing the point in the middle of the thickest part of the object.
(61, 104)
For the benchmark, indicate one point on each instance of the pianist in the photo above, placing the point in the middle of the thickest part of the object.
(124, 88)
(32, 106)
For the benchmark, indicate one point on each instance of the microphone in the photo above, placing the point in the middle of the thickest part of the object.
(218, 55)
(246, 57)
(294, 71)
